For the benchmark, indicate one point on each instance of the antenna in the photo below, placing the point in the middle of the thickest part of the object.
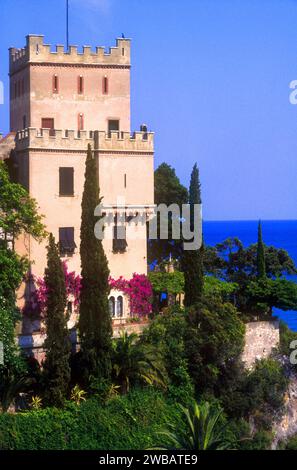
(67, 24)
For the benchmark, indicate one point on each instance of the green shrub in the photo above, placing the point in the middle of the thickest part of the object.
(291, 443)
(167, 333)
(130, 422)
(286, 336)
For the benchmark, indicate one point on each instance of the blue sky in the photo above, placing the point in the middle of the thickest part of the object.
(210, 77)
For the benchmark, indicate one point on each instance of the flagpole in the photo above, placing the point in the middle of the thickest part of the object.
(67, 24)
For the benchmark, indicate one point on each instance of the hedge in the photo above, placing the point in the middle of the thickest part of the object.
(129, 422)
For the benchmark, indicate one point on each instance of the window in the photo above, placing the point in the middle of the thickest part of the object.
(80, 124)
(119, 243)
(80, 85)
(120, 305)
(111, 303)
(55, 84)
(48, 123)
(105, 85)
(66, 241)
(66, 181)
(113, 125)
(125, 180)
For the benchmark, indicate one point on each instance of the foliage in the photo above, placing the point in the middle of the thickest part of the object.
(166, 333)
(261, 269)
(286, 336)
(231, 261)
(168, 190)
(18, 212)
(78, 395)
(12, 270)
(245, 439)
(129, 422)
(95, 326)
(214, 342)
(57, 343)
(204, 430)
(12, 383)
(216, 287)
(291, 443)
(36, 402)
(37, 302)
(172, 283)
(9, 315)
(104, 390)
(267, 293)
(264, 387)
(139, 291)
(192, 260)
(133, 361)
(259, 393)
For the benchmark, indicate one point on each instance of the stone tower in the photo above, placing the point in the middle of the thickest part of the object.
(60, 102)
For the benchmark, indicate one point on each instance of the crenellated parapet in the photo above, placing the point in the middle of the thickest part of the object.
(47, 139)
(70, 140)
(36, 52)
(124, 141)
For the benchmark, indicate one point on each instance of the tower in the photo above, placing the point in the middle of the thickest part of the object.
(60, 102)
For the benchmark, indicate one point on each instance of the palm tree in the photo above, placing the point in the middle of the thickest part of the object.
(11, 386)
(135, 361)
(204, 430)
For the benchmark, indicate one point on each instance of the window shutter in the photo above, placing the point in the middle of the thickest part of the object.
(66, 181)
(66, 240)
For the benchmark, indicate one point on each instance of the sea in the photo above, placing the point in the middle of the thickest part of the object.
(278, 233)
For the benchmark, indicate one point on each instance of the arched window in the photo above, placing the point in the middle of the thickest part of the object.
(111, 303)
(120, 306)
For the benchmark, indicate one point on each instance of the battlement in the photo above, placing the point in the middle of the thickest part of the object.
(37, 52)
(124, 141)
(46, 139)
(32, 138)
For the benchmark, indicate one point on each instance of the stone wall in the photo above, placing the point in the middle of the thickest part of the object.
(260, 339)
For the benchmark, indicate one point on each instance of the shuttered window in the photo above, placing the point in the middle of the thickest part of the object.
(48, 123)
(66, 241)
(66, 181)
(119, 243)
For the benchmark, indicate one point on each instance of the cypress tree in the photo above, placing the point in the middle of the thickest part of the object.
(261, 269)
(192, 260)
(57, 343)
(95, 327)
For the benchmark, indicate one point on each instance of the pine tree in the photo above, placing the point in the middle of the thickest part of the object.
(192, 260)
(95, 327)
(57, 343)
(261, 269)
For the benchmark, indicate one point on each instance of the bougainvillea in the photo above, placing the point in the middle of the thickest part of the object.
(38, 298)
(139, 291)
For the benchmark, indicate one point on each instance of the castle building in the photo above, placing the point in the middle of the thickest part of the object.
(60, 102)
